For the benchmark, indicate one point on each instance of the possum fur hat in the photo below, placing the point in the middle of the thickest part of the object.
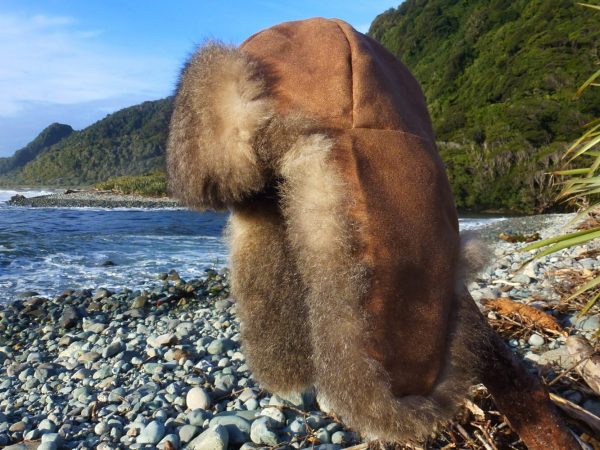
(345, 250)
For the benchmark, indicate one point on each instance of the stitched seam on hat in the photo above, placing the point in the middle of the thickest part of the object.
(394, 130)
(351, 70)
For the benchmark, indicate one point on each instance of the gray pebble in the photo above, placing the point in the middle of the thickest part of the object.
(535, 340)
(47, 426)
(237, 427)
(315, 421)
(187, 433)
(588, 323)
(47, 446)
(101, 428)
(326, 447)
(102, 373)
(197, 417)
(152, 433)
(173, 439)
(340, 437)
(275, 414)
(323, 436)
(197, 398)
(114, 348)
(261, 431)
(212, 439)
(249, 446)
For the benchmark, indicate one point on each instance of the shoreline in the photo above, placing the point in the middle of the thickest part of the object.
(136, 369)
(92, 199)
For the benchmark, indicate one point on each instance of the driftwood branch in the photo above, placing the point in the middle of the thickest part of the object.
(589, 367)
(577, 412)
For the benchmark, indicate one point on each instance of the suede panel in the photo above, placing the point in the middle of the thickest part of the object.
(408, 234)
(315, 79)
(385, 94)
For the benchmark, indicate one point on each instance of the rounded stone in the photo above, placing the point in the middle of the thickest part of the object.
(535, 340)
(237, 427)
(152, 433)
(261, 431)
(197, 417)
(187, 433)
(47, 426)
(275, 414)
(340, 437)
(197, 398)
(215, 438)
(114, 348)
(101, 428)
(169, 442)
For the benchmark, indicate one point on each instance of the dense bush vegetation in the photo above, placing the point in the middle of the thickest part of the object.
(581, 186)
(152, 184)
(131, 141)
(500, 78)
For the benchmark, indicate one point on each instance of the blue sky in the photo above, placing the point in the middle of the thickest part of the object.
(74, 61)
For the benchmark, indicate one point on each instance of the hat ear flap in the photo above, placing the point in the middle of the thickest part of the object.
(220, 106)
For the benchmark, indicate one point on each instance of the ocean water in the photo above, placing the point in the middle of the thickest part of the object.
(48, 250)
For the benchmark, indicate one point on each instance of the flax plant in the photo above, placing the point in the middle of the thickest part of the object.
(582, 188)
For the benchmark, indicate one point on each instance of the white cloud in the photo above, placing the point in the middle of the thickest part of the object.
(41, 20)
(50, 60)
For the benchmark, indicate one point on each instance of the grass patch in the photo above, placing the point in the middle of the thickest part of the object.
(152, 184)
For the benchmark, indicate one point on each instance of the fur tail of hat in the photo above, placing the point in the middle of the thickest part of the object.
(219, 108)
(475, 255)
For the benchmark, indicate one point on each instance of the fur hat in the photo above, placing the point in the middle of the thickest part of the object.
(345, 251)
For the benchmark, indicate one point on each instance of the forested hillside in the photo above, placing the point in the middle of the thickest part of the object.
(500, 78)
(131, 141)
(49, 136)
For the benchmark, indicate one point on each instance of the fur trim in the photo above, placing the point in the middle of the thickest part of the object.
(220, 106)
(270, 300)
(355, 386)
(474, 257)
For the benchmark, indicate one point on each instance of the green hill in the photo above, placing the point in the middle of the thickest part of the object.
(49, 136)
(499, 77)
(131, 141)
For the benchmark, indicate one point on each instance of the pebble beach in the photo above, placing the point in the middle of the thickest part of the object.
(163, 368)
(92, 199)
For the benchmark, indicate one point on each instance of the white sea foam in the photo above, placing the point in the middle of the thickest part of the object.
(476, 223)
(48, 251)
(57, 272)
(6, 194)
